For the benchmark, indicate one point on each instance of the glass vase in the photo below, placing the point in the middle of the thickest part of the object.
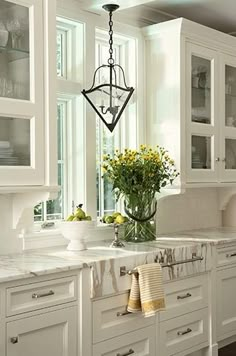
(142, 223)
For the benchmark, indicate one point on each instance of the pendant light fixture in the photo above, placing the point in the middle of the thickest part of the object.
(109, 93)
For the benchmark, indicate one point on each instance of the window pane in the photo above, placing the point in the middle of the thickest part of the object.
(55, 207)
(105, 141)
(38, 212)
(61, 53)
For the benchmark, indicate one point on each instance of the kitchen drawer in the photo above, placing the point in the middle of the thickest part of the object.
(140, 342)
(110, 318)
(41, 295)
(185, 296)
(226, 256)
(184, 332)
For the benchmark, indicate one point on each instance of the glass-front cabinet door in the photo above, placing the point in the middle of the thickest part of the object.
(21, 92)
(228, 119)
(202, 145)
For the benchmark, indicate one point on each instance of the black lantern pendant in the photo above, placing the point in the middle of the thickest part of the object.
(109, 93)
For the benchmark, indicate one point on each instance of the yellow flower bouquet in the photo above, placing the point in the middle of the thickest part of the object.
(137, 176)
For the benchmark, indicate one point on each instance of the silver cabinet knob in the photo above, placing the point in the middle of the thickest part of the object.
(14, 340)
(218, 159)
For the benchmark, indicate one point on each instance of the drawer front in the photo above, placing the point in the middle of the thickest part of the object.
(41, 295)
(184, 332)
(226, 256)
(185, 296)
(110, 318)
(140, 342)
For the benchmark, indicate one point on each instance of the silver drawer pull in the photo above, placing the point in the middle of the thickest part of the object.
(180, 333)
(36, 295)
(231, 255)
(14, 340)
(184, 296)
(123, 313)
(130, 352)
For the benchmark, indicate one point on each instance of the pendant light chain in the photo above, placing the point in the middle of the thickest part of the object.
(111, 60)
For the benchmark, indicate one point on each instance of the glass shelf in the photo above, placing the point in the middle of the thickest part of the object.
(199, 88)
(230, 96)
(15, 53)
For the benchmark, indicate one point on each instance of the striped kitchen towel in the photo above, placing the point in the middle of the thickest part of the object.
(147, 294)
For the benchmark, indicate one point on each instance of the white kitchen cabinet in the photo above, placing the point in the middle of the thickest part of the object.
(24, 87)
(50, 334)
(110, 318)
(40, 295)
(141, 343)
(184, 332)
(226, 306)
(191, 100)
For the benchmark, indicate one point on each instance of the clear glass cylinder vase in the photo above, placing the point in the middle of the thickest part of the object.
(142, 222)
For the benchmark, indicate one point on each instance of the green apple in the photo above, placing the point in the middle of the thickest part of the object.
(109, 219)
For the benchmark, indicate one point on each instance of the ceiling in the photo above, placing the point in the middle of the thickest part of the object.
(218, 14)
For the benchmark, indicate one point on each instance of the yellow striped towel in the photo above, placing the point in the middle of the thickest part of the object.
(147, 294)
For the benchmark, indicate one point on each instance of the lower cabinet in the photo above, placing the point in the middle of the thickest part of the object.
(140, 342)
(226, 306)
(50, 334)
(184, 332)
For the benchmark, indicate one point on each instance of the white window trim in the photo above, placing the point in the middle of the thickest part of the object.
(53, 237)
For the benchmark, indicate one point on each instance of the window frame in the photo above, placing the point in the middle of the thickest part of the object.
(85, 61)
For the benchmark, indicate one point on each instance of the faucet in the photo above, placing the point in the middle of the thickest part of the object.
(117, 242)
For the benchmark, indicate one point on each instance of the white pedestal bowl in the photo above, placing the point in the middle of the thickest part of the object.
(77, 233)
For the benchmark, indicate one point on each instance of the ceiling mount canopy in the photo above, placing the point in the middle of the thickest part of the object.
(109, 93)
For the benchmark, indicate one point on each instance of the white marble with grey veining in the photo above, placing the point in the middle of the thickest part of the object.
(216, 236)
(104, 262)
(106, 277)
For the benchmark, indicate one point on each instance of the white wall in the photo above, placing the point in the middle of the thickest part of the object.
(9, 241)
(197, 208)
(229, 214)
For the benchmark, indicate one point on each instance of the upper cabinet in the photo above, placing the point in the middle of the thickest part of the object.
(191, 100)
(24, 88)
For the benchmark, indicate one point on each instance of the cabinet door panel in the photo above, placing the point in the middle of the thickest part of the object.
(228, 119)
(226, 306)
(202, 126)
(51, 334)
(21, 93)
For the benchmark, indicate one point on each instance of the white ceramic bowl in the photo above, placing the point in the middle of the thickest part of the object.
(77, 232)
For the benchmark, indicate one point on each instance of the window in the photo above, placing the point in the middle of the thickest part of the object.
(122, 136)
(61, 53)
(78, 154)
(54, 209)
(69, 89)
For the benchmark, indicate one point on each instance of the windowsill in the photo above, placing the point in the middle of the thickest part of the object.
(53, 238)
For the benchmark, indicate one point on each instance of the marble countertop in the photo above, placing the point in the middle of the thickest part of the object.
(215, 236)
(45, 261)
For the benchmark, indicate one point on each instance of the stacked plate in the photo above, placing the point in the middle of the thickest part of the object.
(196, 161)
(6, 154)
